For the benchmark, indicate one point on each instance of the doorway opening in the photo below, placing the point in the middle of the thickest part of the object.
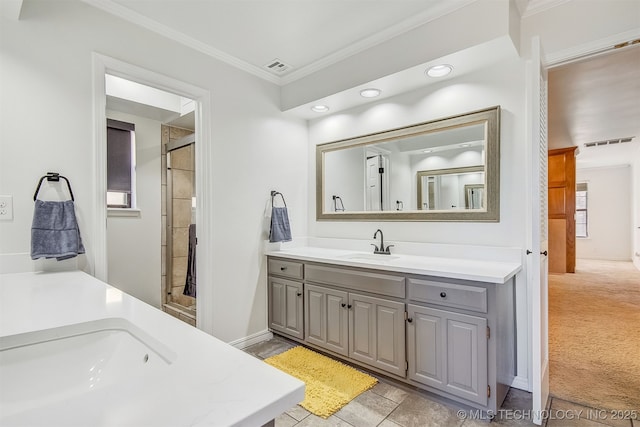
(200, 184)
(592, 311)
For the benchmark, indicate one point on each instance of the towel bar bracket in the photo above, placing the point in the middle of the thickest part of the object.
(52, 177)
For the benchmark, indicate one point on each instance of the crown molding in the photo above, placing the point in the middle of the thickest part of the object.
(537, 6)
(136, 18)
(441, 9)
(595, 47)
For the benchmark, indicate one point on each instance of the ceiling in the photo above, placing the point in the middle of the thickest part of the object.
(597, 99)
(307, 35)
(592, 99)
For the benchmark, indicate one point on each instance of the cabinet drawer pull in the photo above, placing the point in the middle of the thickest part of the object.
(283, 268)
(443, 294)
(299, 294)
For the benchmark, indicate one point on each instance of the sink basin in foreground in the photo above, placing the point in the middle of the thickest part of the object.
(369, 257)
(55, 366)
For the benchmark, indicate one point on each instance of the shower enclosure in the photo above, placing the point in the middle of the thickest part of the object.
(178, 190)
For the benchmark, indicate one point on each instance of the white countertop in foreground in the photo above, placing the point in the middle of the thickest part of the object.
(207, 383)
(453, 268)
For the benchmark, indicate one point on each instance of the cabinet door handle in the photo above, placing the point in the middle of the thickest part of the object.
(343, 305)
(410, 320)
(443, 294)
(349, 306)
(545, 253)
(299, 294)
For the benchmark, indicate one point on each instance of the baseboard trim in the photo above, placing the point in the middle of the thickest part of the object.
(245, 342)
(520, 383)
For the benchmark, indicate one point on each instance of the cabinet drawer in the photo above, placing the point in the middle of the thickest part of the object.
(448, 294)
(383, 284)
(283, 268)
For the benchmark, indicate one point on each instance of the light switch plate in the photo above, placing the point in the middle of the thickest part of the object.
(6, 208)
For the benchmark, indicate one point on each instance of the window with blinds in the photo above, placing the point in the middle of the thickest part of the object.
(582, 225)
(120, 164)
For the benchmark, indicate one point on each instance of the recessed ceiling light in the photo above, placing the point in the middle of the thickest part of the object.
(465, 145)
(439, 70)
(427, 151)
(370, 92)
(320, 108)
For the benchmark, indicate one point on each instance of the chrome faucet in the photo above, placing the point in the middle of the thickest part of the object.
(380, 250)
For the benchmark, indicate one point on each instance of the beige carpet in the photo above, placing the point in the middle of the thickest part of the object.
(594, 335)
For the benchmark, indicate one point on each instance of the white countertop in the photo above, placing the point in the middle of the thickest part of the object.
(453, 268)
(207, 383)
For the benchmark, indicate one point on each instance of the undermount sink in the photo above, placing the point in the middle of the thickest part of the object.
(48, 367)
(369, 257)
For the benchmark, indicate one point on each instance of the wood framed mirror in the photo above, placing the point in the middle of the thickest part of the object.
(442, 170)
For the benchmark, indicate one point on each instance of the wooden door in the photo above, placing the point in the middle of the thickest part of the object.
(562, 208)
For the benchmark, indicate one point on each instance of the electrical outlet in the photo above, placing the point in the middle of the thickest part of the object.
(6, 208)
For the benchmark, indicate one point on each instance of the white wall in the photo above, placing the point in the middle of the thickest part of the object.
(609, 204)
(46, 124)
(502, 84)
(138, 237)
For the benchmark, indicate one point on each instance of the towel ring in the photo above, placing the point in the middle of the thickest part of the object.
(53, 177)
(274, 194)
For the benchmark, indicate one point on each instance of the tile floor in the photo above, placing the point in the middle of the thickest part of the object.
(390, 404)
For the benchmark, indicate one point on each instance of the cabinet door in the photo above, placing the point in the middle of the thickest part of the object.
(326, 318)
(425, 344)
(467, 357)
(448, 351)
(285, 307)
(377, 333)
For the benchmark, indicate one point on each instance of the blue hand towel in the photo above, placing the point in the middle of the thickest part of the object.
(54, 231)
(280, 228)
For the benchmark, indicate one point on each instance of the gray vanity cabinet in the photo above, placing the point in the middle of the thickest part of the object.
(286, 298)
(448, 351)
(449, 336)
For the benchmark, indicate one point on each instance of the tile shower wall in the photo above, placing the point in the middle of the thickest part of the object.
(182, 189)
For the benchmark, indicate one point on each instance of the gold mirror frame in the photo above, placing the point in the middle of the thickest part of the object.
(490, 117)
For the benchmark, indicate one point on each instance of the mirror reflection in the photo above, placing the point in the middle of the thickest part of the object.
(432, 171)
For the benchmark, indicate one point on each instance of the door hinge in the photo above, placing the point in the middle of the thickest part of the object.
(488, 332)
(406, 315)
(406, 366)
(488, 391)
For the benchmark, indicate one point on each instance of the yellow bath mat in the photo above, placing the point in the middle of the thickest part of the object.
(329, 384)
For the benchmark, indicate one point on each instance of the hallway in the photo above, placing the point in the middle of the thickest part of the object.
(594, 335)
